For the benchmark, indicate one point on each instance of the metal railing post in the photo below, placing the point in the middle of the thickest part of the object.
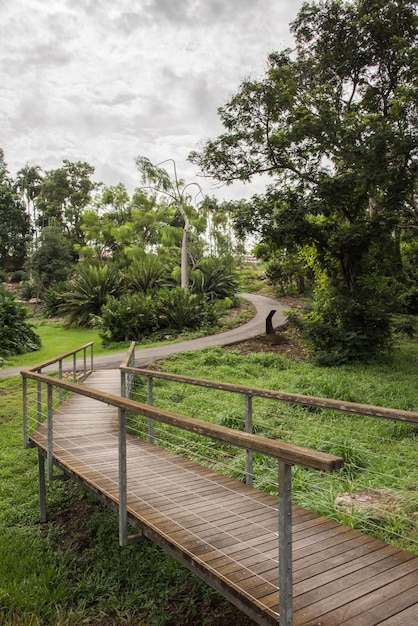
(150, 400)
(123, 386)
(49, 433)
(285, 544)
(249, 429)
(84, 363)
(39, 402)
(25, 413)
(42, 487)
(74, 367)
(60, 377)
(123, 516)
(91, 357)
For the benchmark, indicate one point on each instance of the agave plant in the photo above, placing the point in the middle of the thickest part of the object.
(88, 293)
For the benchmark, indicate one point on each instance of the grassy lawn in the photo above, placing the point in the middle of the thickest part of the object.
(58, 340)
(71, 570)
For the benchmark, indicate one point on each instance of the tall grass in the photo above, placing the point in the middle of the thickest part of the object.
(378, 454)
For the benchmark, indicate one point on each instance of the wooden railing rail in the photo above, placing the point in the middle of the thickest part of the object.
(369, 410)
(286, 454)
(62, 357)
(282, 451)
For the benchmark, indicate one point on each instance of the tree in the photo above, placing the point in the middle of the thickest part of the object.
(63, 196)
(14, 222)
(28, 180)
(51, 263)
(177, 192)
(121, 225)
(334, 124)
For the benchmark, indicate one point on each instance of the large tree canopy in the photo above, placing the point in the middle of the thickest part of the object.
(63, 195)
(334, 122)
(14, 222)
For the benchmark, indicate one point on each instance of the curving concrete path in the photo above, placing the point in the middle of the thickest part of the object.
(256, 326)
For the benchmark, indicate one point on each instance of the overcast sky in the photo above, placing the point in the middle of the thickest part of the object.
(104, 81)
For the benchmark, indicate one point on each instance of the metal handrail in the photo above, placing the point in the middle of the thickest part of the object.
(38, 368)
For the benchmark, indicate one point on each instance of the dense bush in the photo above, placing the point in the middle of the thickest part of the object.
(51, 262)
(340, 329)
(135, 316)
(129, 318)
(179, 309)
(16, 336)
(146, 274)
(53, 298)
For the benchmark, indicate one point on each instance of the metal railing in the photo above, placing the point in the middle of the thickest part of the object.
(285, 454)
(79, 372)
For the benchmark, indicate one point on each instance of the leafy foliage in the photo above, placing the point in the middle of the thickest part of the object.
(178, 309)
(146, 273)
(129, 318)
(14, 222)
(88, 292)
(51, 262)
(17, 336)
(339, 329)
(62, 196)
(334, 124)
(214, 278)
(135, 316)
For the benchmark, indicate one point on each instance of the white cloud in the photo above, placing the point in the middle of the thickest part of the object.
(106, 81)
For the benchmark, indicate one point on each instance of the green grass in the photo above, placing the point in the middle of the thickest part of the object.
(58, 340)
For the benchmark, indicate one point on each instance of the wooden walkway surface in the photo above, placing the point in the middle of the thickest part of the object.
(226, 532)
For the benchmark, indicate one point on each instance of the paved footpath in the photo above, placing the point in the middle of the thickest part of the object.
(256, 326)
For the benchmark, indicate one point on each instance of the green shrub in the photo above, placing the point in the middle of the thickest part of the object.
(128, 319)
(345, 327)
(88, 292)
(16, 336)
(214, 279)
(146, 273)
(28, 291)
(53, 298)
(18, 276)
(179, 309)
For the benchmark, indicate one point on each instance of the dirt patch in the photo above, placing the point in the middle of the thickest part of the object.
(374, 503)
(286, 342)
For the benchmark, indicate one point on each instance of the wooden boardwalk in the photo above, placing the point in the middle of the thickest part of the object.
(227, 532)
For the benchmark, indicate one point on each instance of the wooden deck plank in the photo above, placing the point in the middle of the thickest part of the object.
(222, 527)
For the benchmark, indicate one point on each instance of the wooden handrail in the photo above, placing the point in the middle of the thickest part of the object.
(325, 403)
(35, 368)
(286, 453)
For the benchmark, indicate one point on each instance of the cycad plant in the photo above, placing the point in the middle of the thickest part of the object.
(88, 292)
(146, 274)
(214, 279)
